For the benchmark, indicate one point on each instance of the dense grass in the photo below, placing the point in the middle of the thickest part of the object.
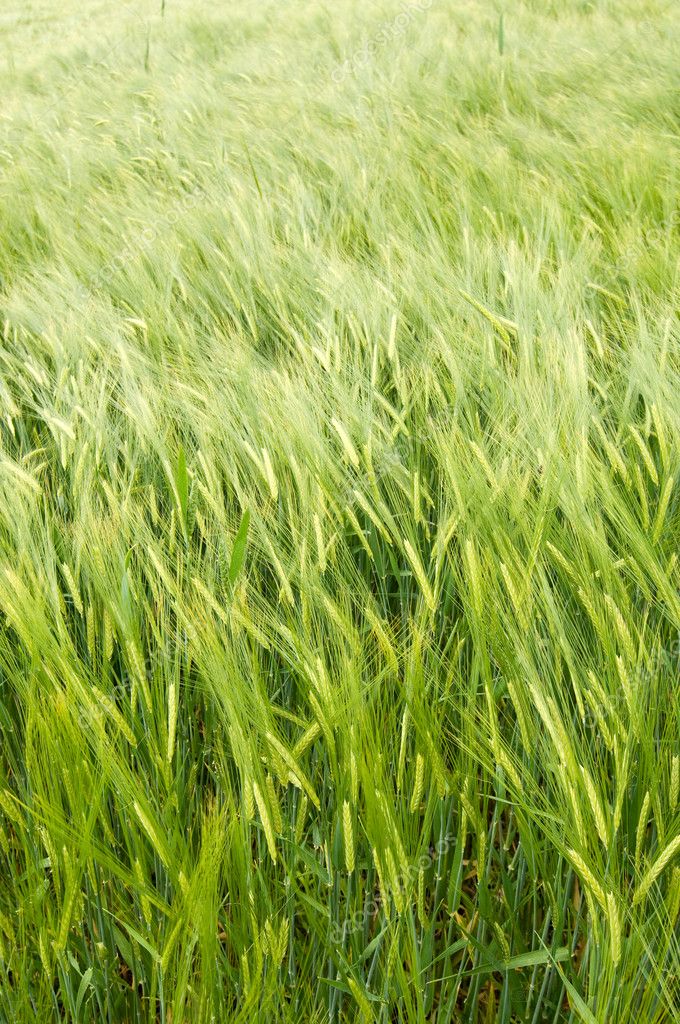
(339, 512)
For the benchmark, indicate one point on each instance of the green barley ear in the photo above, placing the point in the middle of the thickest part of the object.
(420, 575)
(596, 805)
(502, 940)
(662, 507)
(353, 778)
(588, 878)
(362, 1002)
(144, 899)
(172, 721)
(73, 590)
(273, 803)
(348, 836)
(422, 917)
(641, 830)
(660, 435)
(614, 928)
(655, 870)
(300, 820)
(418, 784)
(674, 790)
(645, 453)
(673, 897)
(266, 821)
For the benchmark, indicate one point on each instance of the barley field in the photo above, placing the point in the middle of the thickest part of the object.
(339, 512)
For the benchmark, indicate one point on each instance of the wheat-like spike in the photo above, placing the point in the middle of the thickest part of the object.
(645, 453)
(139, 672)
(383, 639)
(475, 576)
(268, 940)
(438, 768)
(420, 575)
(270, 476)
(418, 784)
(673, 897)
(67, 915)
(266, 821)
(661, 509)
(286, 589)
(151, 832)
(320, 543)
(598, 811)
(642, 494)
(621, 629)
(622, 769)
(401, 760)
(274, 807)
(348, 836)
(502, 940)
(380, 873)
(361, 1001)
(72, 588)
(91, 637)
(365, 505)
(596, 708)
(660, 435)
(417, 511)
(172, 720)
(515, 597)
(353, 778)
(486, 466)
(522, 720)
(563, 562)
(295, 773)
(395, 880)
(346, 441)
(594, 617)
(282, 940)
(481, 854)
(657, 810)
(606, 704)
(311, 733)
(171, 943)
(627, 686)
(509, 768)
(641, 828)
(614, 456)
(143, 899)
(322, 720)
(674, 790)
(655, 870)
(300, 820)
(493, 717)
(114, 714)
(420, 905)
(588, 877)
(470, 809)
(108, 636)
(392, 827)
(45, 958)
(614, 928)
(245, 972)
